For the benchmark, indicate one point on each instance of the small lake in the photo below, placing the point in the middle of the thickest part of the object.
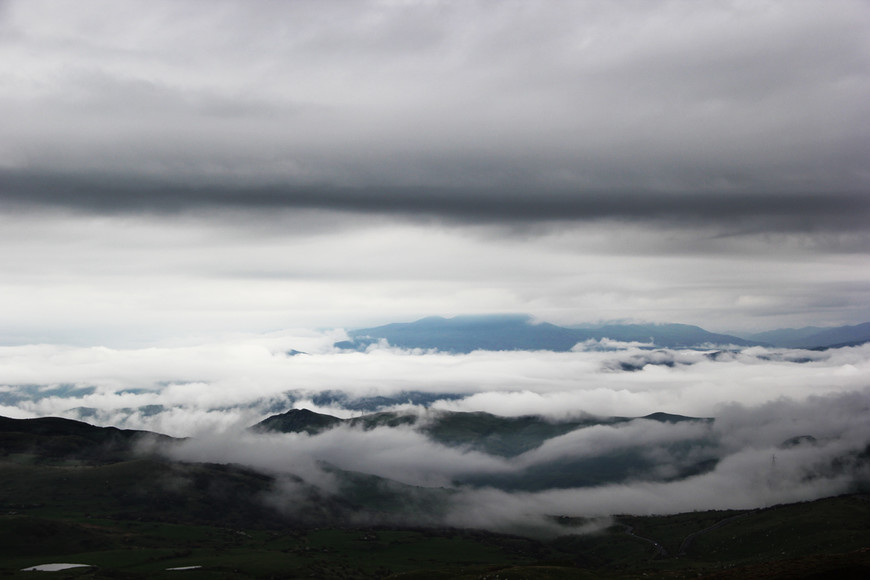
(54, 567)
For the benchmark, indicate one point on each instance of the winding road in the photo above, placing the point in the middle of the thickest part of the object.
(660, 550)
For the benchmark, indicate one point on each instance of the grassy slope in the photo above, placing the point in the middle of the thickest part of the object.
(827, 534)
(135, 517)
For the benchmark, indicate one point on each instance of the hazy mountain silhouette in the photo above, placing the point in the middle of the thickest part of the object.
(463, 334)
(815, 337)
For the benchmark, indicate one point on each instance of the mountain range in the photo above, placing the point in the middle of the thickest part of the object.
(815, 337)
(516, 437)
(464, 334)
(478, 431)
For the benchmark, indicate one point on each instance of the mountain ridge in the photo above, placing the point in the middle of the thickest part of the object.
(477, 430)
(512, 332)
(505, 332)
(816, 337)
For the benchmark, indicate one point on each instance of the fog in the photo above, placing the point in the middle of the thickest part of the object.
(240, 379)
(761, 399)
(779, 452)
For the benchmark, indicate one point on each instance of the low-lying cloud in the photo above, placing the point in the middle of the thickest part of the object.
(762, 456)
(788, 425)
(236, 382)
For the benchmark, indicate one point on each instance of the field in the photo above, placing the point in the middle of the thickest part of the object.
(74, 493)
(53, 517)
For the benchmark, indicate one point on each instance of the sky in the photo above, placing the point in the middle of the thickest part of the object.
(176, 171)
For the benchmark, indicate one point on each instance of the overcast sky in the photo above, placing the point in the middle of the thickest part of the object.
(177, 169)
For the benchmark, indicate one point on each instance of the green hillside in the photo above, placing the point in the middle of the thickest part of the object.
(138, 516)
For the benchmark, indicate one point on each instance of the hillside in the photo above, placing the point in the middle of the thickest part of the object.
(53, 439)
(138, 516)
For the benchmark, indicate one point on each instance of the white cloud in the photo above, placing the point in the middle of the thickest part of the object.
(254, 372)
(759, 397)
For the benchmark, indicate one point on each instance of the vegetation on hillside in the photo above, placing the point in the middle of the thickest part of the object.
(83, 494)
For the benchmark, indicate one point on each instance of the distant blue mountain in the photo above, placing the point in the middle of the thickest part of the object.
(815, 337)
(463, 334)
(784, 336)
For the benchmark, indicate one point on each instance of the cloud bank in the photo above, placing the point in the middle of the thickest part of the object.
(658, 96)
(245, 377)
(789, 425)
(759, 461)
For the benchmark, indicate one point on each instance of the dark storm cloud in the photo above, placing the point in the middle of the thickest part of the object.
(473, 111)
(743, 212)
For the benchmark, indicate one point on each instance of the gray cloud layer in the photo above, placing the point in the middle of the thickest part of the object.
(176, 168)
(439, 107)
(768, 212)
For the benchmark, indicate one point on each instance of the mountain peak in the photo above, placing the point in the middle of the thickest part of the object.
(298, 421)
